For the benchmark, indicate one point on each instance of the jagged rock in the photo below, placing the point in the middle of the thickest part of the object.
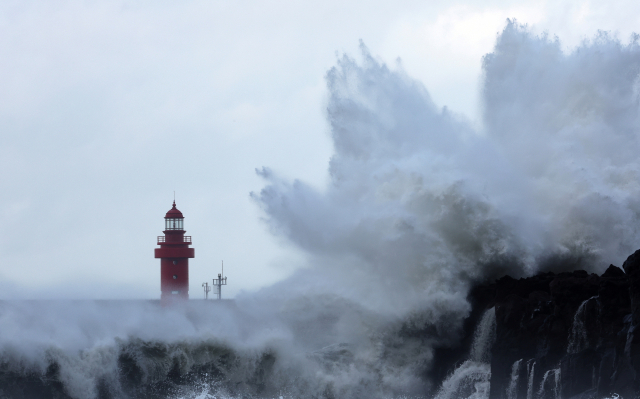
(571, 335)
(631, 267)
(573, 322)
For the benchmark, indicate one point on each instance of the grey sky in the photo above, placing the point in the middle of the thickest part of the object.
(106, 108)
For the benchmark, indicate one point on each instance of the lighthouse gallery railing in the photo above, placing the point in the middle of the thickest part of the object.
(162, 239)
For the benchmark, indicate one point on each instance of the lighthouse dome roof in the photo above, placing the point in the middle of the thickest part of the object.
(173, 212)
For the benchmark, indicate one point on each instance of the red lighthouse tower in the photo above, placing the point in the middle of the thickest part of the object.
(174, 254)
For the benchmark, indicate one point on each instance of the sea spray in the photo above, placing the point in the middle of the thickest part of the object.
(578, 339)
(547, 386)
(420, 206)
(471, 379)
(484, 337)
(557, 382)
(512, 388)
(531, 367)
(220, 347)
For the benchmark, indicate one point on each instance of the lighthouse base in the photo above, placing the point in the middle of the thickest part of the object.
(171, 299)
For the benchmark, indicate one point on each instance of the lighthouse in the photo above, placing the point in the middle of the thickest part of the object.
(174, 254)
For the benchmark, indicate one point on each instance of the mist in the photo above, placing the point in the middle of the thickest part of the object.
(421, 205)
(419, 198)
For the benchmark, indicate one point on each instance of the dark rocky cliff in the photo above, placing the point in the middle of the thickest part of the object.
(565, 335)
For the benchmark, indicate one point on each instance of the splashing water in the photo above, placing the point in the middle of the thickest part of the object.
(578, 339)
(578, 335)
(512, 389)
(471, 379)
(556, 383)
(484, 337)
(551, 179)
(531, 367)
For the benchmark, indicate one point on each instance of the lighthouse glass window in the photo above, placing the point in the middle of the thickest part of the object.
(173, 224)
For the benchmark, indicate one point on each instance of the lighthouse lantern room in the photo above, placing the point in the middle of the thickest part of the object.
(174, 254)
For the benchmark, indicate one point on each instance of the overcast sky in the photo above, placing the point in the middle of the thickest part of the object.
(107, 107)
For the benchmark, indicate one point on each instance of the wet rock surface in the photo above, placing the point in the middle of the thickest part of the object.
(566, 335)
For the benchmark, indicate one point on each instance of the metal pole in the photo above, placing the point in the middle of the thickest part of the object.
(206, 290)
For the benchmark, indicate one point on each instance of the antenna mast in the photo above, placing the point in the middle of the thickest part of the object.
(219, 282)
